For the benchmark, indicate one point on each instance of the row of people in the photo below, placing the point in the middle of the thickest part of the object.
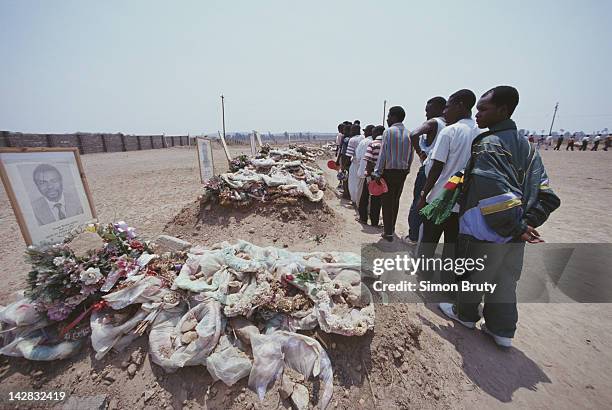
(547, 142)
(478, 182)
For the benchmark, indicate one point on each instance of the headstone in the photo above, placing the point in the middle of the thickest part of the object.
(205, 159)
(171, 244)
(253, 146)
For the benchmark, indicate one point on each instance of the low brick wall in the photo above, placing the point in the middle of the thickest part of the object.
(89, 143)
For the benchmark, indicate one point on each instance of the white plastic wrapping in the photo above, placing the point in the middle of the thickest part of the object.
(280, 349)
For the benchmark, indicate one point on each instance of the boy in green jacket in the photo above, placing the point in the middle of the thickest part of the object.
(505, 197)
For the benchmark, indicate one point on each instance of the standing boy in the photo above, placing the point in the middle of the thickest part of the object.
(423, 139)
(393, 165)
(448, 156)
(370, 205)
(506, 195)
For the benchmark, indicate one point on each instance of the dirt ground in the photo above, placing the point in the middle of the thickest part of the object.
(415, 358)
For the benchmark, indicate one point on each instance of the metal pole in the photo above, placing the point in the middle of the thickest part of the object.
(384, 112)
(553, 119)
(223, 113)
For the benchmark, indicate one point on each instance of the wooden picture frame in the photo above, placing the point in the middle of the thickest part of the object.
(66, 162)
(204, 153)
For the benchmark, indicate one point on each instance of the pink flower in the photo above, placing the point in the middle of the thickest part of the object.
(122, 227)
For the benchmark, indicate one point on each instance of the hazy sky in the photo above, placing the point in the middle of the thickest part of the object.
(160, 66)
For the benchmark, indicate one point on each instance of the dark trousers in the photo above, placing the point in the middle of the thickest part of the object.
(559, 142)
(502, 266)
(346, 163)
(570, 145)
(431, 236)
(369, 205)
(414, 217)
(583, 147)
(395, 179)
(595, 146)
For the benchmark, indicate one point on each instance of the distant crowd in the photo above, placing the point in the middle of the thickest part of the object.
(584, 141)
(478, 182)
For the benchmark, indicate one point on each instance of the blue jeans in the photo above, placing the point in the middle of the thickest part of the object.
(414, 218)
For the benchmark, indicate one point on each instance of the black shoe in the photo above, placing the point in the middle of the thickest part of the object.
(388, 238)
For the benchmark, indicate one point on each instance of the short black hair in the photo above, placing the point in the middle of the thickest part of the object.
(465, 96)
(379, 128)
(357, 122)
(504, 95)
(398, 112)
(437, 101)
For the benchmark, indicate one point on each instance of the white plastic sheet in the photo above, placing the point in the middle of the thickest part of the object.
(273, 352)
(105, 335)
(228, 363)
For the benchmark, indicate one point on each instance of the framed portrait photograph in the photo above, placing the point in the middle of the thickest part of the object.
(205, 159)
(48, 191)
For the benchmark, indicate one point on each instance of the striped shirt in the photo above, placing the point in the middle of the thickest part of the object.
(373, 150)
(344, 145)
(352, 145)
(396, 151)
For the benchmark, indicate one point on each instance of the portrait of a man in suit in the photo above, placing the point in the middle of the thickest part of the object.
(55, 204)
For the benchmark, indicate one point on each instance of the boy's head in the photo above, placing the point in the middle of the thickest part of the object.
(347, 130)
(496, 105)
(459, 105)
(435, 107)
(378, 131)
(367, 131)
(341, 127)
(355, 130)
(396, 114)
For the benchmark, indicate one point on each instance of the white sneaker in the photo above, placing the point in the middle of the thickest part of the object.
(449, 310)
(499, 340)
(409, 241)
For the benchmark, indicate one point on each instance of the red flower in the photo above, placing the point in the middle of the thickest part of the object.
(289, 277)
(136, 245)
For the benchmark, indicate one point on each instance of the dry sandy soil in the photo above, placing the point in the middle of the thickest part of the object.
(415, 358)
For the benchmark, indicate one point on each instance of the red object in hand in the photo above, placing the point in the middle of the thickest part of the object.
(377, 188)
(331, 164)
(289, 277)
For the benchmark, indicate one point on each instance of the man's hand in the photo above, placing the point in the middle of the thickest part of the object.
(422, 155)
(531, 235)
(421, 204)
(377, 179)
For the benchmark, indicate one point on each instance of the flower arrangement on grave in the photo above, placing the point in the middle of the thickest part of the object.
(77, 272)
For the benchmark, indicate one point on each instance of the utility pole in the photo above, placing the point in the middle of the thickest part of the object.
(223, 113)
(384, 112)
(553, 120)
